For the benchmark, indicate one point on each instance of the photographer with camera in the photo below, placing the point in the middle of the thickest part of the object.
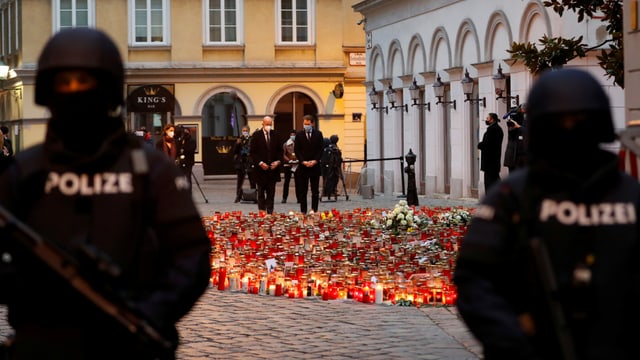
(242, 161)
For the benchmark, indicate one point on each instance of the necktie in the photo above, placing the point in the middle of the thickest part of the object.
(308, 136)
(266, 135)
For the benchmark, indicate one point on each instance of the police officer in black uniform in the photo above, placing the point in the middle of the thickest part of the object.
(83, 189)
(548, 268)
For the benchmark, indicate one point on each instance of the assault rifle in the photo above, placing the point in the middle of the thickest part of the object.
(152, 341)
(547, 276)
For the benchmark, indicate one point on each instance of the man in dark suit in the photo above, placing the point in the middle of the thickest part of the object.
(491, 151)
(266, 154)
(308, 149)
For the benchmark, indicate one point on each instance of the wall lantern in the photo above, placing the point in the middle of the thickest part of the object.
(467, 89)
(391, 97)
(373, 98)
(415, 96)
(438, 89)
(500, 85)
(338, 91)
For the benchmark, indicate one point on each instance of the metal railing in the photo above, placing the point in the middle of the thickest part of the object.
(365, 161)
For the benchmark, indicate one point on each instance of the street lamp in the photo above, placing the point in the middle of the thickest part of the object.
(414, 90)
(373, 98)
(500, 85)
(391, 97)
(467, 89)
(438, 89)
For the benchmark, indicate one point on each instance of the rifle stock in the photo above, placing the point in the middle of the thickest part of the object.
(67, 267)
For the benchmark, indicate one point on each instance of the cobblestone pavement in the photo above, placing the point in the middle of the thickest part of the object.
(234, 325)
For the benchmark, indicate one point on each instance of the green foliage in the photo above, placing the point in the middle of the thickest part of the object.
(552, 53)
(555, 52)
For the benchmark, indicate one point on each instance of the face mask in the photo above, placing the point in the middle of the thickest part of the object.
(71, 114)
(267, 128)
(307, 128)
(245, 133)
(170, 134)
(292, 138)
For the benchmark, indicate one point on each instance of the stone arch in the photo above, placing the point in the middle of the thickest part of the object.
(440, 34)
(395, 52)
(533, 9)
(495, 20)
(273, 100)
(415, 49)
(377, 68)
(466, 27)
(204, 97)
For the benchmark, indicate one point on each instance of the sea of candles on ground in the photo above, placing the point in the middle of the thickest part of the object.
(336, 255)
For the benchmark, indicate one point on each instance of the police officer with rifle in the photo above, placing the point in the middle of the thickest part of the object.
(548, 268)
(121, 214)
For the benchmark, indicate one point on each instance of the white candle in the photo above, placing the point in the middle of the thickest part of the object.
(272, 289)
(379, 294)
(245, 284)
(263, 287)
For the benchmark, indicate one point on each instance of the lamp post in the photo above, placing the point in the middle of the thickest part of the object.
(410, 169)
(500, 85)
(467, 89)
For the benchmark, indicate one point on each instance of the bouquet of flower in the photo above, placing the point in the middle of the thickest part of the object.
(454, 217)
(402, 218)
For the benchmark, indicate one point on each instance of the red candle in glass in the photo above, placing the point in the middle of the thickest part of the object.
(278, 290)
(222, 278)
(365, 295)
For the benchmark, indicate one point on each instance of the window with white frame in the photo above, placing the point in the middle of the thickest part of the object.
(295, 21)
(223, 21)
(149, 21)
(73, 13)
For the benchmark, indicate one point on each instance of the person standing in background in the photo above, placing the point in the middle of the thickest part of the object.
(266, 155)
(308, 148)
(290, 164)
(491, 151)
(242, 162)
(186, 159)
(515, 153)
(168, 144)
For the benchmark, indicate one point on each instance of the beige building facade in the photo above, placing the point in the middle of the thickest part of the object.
(212, 66)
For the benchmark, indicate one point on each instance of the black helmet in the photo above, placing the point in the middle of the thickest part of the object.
(568, 92)
(81, 48)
